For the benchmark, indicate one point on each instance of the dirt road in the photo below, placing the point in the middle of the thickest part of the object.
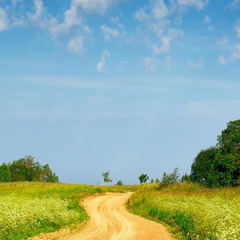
(109, 220)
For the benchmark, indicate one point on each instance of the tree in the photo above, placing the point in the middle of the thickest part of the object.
(5, 174)
(220, 165)
(170, 178)
(119, 183)
(143, 178)
(203, 169)
(106, 177)
(27, 169)
(48, 175)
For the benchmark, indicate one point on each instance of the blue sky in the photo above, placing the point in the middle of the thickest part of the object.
(129, 86)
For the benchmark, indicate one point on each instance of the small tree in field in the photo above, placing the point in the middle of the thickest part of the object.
(170, 178)
(143, 178)
(119, 183)
(106, 178)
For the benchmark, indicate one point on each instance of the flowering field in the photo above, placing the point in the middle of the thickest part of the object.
(27, 208)
(20, 215)
(198, 214)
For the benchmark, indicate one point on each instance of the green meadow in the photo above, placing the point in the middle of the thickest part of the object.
(28, 208)
(190, 211)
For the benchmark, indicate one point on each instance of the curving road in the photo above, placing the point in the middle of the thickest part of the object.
(109, 220)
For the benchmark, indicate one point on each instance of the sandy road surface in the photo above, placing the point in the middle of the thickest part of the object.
(109, 220)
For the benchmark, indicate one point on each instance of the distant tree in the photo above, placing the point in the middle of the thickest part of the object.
(5, 174)
(27, 169)
(170, 178)
(143, 178)
(152, 180)
(119, 183)
(157, 180)
(106, 177)
(47, 174)
(185, 178)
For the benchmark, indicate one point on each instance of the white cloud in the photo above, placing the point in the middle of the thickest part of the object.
(116, 21)
(207, 19)
(168, 62)
(159, 17)
(109, 32)
(164, 46)
(152, 64)
(76, 45)
(196, 65)
(235, 3)
(223, 41)
(3, 20)
(237, 29)
(199, 4)
(39, 10)
(72, 26)
(141, 15)
(101, 63)
(159, 10)
(211, 28)
(165, 42)
(100, 6)
(222, 60)
(236, 52)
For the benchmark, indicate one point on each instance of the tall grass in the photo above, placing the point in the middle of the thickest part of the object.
(192, 212)
(27, 209)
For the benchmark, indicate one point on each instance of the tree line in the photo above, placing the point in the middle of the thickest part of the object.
(26, 169)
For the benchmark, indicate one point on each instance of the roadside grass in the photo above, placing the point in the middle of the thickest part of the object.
(27, 208)
(190, 211)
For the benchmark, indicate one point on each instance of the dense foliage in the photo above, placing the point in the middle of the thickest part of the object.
(220, 165)
(26, 169)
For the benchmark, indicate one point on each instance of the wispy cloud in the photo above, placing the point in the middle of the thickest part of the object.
(101, 63)
(3, 20)
(100, 6)
(153, 64)
(109, 32)
(76, 45)
(160, 17)
(223, 41)
(196, 65)
(199, 4)
(237, 28)
(236, 52)
(222, 60)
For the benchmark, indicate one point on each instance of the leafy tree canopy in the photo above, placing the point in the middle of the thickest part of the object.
(220, 165)
(106, 177)
(143, 178)
(27, 169)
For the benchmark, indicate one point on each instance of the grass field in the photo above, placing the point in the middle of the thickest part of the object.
(27, 209)
(192, 212)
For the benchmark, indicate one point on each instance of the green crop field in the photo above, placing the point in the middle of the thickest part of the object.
(192, 212)
(27, 209)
